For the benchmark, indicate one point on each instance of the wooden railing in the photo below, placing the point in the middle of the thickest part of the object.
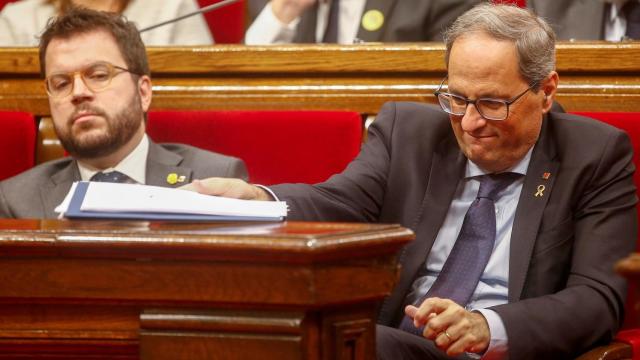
(594, 76)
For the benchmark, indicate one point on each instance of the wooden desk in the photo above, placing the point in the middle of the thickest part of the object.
(151, 290)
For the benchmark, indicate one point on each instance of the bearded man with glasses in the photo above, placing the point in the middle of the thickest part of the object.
(98, 81)
(519, 212)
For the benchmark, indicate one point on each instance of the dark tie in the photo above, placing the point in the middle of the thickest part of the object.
(331, 33)
(631, 11)
(113, 177)
(471, 252)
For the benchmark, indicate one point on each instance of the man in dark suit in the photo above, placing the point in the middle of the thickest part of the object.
(532, 258)
(590, 19)
(97, 79)
(298, 21)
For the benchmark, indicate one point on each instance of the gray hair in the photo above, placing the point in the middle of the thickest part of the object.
(533, 37)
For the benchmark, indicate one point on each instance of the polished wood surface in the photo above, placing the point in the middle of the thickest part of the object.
(594, 76)
(157, 290)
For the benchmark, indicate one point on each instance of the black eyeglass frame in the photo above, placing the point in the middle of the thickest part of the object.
(507, 103)
(72, 74)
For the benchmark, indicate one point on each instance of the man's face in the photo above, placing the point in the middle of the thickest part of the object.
(482, 67)
(89, 123)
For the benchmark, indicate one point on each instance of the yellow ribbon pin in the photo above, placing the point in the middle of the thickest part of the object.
(372, 20)
(540, 190)
(173, 178)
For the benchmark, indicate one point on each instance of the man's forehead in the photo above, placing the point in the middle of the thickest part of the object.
(81, 49)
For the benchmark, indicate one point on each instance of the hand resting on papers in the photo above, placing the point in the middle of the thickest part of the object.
(227, 187)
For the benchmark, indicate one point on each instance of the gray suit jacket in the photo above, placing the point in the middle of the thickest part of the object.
(572, 19)
(36, 192)
(405, 20)
(563, 294)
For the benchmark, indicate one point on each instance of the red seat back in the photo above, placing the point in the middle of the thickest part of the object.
(17, 143)
(277, 146)
(227, 23)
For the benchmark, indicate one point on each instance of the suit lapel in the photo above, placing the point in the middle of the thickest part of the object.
(306, 29)
(531, 205)
(385, 7)
(164, 165)
(54, 192)
(442, 184)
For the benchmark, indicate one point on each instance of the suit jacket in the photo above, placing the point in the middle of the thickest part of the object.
(404, 20)
(36, 192)
(563, 294)
(573, 19)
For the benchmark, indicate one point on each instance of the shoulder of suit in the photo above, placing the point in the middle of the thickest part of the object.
(39, 174)
(191, 153)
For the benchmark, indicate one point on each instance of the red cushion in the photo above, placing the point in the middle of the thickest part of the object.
(5, 2)
(17, 143)
(631, 337)
(277, 146)
(227, 23)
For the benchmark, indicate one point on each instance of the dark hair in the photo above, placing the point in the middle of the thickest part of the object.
(81, 21)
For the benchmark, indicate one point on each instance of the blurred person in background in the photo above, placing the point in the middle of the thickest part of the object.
(23, 21)
(349, 21)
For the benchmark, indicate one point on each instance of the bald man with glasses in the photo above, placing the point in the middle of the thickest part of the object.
(99, 89)
(519, 212)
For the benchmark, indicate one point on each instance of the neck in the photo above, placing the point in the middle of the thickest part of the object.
(113, 159)
(101, 5)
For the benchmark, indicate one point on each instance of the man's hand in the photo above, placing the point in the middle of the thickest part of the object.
(227, 187)
(452, 328)
(288, 10)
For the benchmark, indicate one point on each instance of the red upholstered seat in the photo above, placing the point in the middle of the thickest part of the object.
(226, 24)
(277, 146)
(17, 143)
(629, 122)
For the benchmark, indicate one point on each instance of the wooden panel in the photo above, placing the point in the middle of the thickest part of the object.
(162, 290)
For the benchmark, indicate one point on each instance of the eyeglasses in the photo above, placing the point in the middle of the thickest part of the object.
(488, 108)
(96, 77)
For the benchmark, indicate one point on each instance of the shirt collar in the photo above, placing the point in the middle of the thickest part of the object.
(473, 170)
(134, 165)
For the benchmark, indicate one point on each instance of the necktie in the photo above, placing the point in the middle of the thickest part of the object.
(113, 177)
(631, 11)
(331, 33)
(471, 252)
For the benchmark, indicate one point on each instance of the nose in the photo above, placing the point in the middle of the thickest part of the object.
(472, 120)
(80, 90)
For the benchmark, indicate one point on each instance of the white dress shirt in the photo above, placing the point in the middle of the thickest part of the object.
(493, 287)
(267, 29)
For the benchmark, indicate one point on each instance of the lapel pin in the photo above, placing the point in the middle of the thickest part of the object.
(540, 191)
(372, 20)
(546, 175)
(173, 178)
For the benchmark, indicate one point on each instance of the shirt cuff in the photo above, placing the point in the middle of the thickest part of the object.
(498, 345)
(273, 195)
(267, 29)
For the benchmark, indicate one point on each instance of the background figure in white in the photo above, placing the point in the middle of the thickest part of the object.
(22, 22)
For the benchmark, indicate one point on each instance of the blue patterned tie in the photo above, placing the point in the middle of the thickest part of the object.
(113, 177)
(471, 252)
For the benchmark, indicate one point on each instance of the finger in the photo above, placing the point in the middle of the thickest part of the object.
(443, 340)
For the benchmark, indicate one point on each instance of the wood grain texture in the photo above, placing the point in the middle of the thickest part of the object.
(162, 290)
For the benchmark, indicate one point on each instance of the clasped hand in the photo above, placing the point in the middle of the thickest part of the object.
(451, 327)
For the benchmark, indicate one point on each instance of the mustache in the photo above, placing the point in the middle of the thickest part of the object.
(86, 108)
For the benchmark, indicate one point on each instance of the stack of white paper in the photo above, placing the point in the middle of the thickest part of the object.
(133, 201)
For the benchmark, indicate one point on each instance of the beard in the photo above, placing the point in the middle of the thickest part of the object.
(120, 129)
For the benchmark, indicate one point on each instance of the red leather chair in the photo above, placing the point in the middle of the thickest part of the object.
(227, 23)
(277, 146)
(629, 122)
(17, 143)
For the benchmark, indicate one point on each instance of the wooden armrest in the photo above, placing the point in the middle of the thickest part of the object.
(613, 351)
